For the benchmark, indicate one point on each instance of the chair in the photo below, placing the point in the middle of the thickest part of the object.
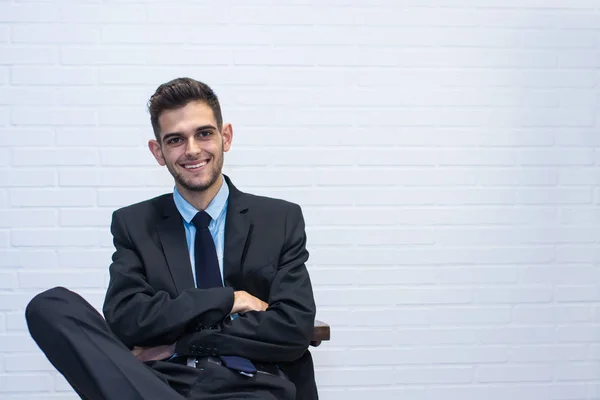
(321, 332)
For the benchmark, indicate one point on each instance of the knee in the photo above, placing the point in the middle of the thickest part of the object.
(46, 306)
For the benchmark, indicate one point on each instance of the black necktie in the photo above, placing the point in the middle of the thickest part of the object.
(208, 274)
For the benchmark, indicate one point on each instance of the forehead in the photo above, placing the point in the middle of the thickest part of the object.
(186, 118)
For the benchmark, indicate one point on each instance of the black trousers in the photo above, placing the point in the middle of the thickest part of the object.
(77, 341)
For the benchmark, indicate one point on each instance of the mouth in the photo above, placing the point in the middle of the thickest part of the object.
(197, 165)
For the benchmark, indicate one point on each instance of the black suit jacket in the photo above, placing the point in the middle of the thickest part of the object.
(151, 298)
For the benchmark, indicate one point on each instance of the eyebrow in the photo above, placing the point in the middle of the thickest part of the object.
(169, 135)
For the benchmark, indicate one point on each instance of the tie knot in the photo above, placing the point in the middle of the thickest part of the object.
(201, 220)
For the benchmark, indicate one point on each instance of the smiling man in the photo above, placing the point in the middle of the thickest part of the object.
(209, 296)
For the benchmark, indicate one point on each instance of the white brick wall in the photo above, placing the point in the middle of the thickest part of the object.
(446, 154)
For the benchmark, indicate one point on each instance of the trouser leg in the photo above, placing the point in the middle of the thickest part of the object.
(78, 343)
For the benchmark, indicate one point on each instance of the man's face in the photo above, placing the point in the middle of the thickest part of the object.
(191, 146)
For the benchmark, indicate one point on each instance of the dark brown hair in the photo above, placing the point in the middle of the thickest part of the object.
(178, 93)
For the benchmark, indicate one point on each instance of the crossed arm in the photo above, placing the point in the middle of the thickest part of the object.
(153, 324)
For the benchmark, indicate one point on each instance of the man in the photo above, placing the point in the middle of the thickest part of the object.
(209, 296)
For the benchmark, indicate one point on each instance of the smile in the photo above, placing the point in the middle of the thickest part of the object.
(194, 166)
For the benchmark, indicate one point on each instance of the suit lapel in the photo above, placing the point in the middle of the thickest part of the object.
(172, 237)
(238, 227)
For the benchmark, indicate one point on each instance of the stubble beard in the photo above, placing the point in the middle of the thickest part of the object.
(215, 171)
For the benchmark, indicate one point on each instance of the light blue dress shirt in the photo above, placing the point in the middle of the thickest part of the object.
(217, 209)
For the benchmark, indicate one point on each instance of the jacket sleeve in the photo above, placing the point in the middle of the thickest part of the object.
(138, 314)
(281, 333)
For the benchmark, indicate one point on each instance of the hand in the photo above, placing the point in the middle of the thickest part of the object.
(154, 353)
(244, 302)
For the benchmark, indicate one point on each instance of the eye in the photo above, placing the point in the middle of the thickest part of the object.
(204, 133)
(173, 140)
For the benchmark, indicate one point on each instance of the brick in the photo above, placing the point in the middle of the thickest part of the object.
(578, 274)
(27, 177)
(28, 363)
(4, 34)
(470, 315)
(554, 196)
(534, 335)
(124, 116)
(85, 258)
(366, 318)
(124, 197)
(63, 197)
(8, 280)
(52, 76)
(511, 295)
(56, 157)
(99, 137)
(24, 95)
(556, 158)
(26, 383)
(419, 196)
(565, 294)
(54, 116)
(115, 177)
(580, 176)
(577, 254)
(4, 157)
(32, 258)
(452, 355)
(583, 216)
(548, 353)
(436, 336)
(26, 55)
(382, 393)
(4, 198)
(515, 373)
(355, 377)
(372, 276)
(369, 237)
(294, 117)
(73, 280)
(578, 372)
(13, 136)
(498, 256)
(4, 117)
(63, 237)
(85, 217)
(55, 34)
(511, 177)
(577, 334)
(17, 343)
(373, 215)
(356, 336)
(104, 96)
(479, 275)
(15, 321)
(156, 14)
(578, 59)
(513, 390)
(576, 137)
(551, 314)
(411, 296)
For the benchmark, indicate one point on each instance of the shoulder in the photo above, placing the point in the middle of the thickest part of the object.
(146, 209)
(271, 204)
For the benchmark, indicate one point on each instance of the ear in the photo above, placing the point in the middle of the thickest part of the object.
(156, 151)
(227, 133)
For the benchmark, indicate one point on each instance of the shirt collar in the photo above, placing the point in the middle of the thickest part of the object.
(214, 209)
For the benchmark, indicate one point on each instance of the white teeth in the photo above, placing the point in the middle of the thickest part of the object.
(202, 164)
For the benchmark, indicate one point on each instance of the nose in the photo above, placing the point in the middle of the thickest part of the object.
(192, 148)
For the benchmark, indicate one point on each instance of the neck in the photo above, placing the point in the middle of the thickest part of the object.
(201, 200)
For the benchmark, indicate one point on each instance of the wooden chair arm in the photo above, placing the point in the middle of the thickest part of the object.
(321, 332)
